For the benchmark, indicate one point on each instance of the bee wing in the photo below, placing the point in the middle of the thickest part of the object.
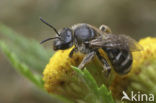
(116, 42)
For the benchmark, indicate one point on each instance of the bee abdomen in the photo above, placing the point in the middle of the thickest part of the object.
(120, 59)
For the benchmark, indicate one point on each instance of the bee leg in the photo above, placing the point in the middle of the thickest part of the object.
(105, 29)
(72, 52)
(106, 66)
(86, 59)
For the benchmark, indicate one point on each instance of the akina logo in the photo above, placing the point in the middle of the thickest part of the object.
(138, 97)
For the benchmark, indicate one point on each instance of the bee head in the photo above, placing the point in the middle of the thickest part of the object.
(63, 40)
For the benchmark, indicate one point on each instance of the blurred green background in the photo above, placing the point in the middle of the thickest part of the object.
(136, 18)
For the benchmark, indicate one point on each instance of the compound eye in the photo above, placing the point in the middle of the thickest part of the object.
(68, 35)
(105, 29)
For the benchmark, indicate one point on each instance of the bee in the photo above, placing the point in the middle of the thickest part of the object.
(88, 39)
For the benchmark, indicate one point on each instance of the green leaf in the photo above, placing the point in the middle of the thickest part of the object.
(21, 67)
(23, 52)
(105, 95)
(28, 50)
(25, 71)
(98, 94)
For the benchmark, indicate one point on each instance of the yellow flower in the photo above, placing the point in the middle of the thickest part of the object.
(59, 77)
(58, 71)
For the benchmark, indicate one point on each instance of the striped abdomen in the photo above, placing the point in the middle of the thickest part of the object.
(120, 59)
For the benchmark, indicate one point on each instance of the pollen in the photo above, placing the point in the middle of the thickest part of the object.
(58, 71)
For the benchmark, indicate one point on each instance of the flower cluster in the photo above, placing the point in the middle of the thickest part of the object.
(60, 78)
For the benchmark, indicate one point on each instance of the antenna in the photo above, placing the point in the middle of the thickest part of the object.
(50, 26)
(43, 41)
